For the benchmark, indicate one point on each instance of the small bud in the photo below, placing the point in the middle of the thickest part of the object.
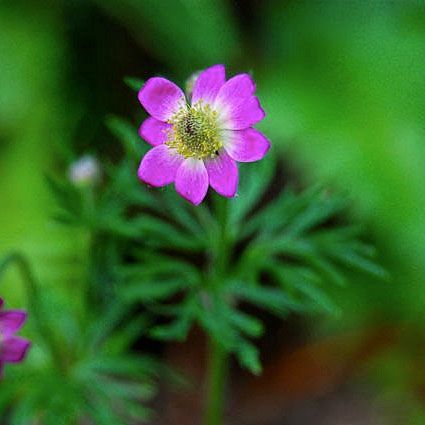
(190, 82)
(85, 171)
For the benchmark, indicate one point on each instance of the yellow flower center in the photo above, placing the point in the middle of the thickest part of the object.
(195, 133)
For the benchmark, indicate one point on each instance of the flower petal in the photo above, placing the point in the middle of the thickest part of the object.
(192, 180)
(208, 84)
(237, 105)
(161, 98)
(14, 349)
(223, 174)
(154, 131)
(11, 321)
(245, 145)
(159, 166)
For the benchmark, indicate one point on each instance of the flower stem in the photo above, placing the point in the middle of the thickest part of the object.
(223, 243)
(217, 355)
(216, 381)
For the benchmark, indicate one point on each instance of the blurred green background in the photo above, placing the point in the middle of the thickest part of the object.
(343, 86)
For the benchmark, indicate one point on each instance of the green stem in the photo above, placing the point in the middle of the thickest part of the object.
(222, 250)
(217, 355)
(34, 305)
(216, 381)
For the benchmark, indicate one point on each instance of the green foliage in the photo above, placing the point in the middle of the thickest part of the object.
(343, 90)
(134, 83)
(84, 369)
(205, 265)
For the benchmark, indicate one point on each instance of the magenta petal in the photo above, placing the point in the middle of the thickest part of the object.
(161, 98)
(208, 84)
(236, 104)
(11, 321)
(13, 349)
(223, 174)
(159, 166)
(239, 86)
(154, 132)
(192, 180)
(245, 145)
(241, 114)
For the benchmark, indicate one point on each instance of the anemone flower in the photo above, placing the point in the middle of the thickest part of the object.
(12, 348)
(197, 144)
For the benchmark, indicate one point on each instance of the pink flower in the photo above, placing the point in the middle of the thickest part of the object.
(198, 144)
(12, 348)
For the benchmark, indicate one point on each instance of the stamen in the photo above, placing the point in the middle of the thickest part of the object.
(195, 133)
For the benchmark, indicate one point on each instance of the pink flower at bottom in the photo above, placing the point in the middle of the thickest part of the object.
(198, 144)
(12, 348)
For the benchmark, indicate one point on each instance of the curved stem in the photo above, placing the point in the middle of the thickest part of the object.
(34, 306)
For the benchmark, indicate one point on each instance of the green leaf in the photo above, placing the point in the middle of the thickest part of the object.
(249, 357)
(252, 186)
(179, 328)
(126, 365)
(303, 281)
(156, 266)
(247, 324)
(127, 134)
(152, 290)
(349, 257)
(317, 212)
(67, 197)
(176, 330)
(134, 83)
(122, 339)
(26, 409)
(272, 299)
(181, 213)
(102, 327)
(215, 324)
(162, 233)
(99, 406)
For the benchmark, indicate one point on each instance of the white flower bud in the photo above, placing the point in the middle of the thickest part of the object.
(85, 171)
(190, 82)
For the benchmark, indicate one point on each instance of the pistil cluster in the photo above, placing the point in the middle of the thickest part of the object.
(195, 133)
